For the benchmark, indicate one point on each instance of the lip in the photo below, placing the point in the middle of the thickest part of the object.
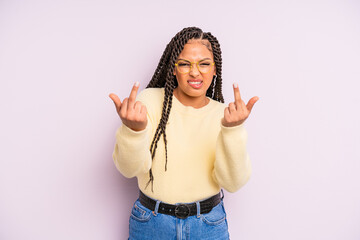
(194, 80)
(197, 83)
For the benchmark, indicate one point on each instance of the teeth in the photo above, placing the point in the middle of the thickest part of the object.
(194, 82)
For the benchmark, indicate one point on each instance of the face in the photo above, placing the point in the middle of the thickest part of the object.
(193, 85)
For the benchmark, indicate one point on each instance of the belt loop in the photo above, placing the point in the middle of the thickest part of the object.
(222, 192)
(197, 209)
(155, 212)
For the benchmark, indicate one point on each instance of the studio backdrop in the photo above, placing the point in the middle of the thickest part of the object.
(59, 61)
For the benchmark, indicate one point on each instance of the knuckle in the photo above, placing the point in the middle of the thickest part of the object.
(122, 112)
(130, 115)
(137, 118)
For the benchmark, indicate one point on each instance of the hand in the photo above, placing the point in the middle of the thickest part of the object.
(133, 114)
(237, 112)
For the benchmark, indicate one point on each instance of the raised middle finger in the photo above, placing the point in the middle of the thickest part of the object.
(237, 94)
(132, 96)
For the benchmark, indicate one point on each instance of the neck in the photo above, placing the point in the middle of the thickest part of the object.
(195, 102)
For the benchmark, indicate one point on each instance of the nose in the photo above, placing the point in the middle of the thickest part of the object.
(194, 71)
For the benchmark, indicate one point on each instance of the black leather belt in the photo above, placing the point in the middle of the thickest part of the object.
(181, 210)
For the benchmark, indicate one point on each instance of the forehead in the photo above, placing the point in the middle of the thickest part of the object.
(195, 51)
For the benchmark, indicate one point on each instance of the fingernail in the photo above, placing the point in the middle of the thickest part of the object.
(136, 84)
(235, 85)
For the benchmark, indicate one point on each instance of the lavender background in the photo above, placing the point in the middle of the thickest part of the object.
(59, 60)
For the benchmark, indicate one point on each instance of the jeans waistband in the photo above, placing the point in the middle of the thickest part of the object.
(181, 210)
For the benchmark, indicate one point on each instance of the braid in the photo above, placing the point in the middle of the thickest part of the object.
(163, 77)
(215, 92)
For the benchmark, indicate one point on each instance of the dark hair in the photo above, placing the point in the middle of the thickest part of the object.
(163, 77)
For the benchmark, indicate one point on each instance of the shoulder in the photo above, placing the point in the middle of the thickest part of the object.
(152, 98)
(151, 95)
(218, 106)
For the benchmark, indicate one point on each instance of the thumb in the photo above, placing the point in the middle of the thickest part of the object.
(251, 103)
(116, 101)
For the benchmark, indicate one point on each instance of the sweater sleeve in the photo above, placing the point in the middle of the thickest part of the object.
(131, 154)
(232, 167)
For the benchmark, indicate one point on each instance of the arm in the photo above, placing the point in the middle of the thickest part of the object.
(131, 153)
(232, 167)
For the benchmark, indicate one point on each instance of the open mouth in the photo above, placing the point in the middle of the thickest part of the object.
(195, 83)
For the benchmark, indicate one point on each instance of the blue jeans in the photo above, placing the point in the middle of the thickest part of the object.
(145, 224)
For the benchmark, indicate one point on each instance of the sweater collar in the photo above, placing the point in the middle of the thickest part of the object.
(178, 106)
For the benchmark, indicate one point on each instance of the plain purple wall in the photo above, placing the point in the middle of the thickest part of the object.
(59, 60)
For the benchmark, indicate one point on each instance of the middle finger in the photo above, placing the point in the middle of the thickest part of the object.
(237, 95)
(132, 96)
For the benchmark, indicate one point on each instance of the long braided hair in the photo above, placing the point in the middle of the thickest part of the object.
(163, 77)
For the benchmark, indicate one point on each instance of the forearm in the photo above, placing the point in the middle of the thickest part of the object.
(131, 154)
(232, 167)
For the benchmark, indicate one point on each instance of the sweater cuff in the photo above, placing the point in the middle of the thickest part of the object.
(236, 131)
(127, 132)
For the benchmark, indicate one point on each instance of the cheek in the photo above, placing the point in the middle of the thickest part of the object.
(181, 78)
(210, 77)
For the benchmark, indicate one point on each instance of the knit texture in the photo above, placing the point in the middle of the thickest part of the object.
(203, 155)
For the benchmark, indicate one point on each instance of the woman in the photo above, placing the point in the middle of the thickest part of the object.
(197, 143)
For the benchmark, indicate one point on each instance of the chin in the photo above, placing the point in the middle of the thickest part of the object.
(196, 92)
(191, 92)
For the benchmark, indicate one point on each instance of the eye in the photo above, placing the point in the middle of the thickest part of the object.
(205, 64)
(183, 64)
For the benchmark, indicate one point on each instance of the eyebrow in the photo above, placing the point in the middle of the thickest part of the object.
(190, 61)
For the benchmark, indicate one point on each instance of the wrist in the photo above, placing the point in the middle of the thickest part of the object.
(231, 124)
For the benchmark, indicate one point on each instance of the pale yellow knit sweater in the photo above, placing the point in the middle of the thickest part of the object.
(203, 155)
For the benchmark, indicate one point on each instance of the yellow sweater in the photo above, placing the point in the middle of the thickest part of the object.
(203, 155)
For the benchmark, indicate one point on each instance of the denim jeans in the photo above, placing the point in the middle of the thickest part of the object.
(145, 224)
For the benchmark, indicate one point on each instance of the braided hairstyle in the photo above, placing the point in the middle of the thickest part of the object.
(163, 77)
